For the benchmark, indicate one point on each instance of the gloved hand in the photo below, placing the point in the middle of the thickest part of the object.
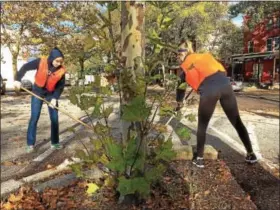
(53, 103)
(17, 85)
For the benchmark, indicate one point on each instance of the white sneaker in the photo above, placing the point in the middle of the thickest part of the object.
(29, 148)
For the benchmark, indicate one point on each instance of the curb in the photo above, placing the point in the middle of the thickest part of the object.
(259, 97)
(12, 185)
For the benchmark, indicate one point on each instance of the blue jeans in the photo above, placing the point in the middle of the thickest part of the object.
(36, 106)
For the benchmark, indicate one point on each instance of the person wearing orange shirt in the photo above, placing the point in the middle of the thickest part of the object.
(208, 77)
(49, 84)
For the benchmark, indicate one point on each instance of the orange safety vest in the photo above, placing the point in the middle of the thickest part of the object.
(197, 67)
(42, 79)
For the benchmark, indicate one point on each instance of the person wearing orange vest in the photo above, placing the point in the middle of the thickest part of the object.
(49, 84)
(208, 77)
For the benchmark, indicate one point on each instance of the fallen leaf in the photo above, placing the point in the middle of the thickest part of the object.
(49, 166)
(92, 188)
(167, 178)
(248, 197)
(14, 198)
(8, 163)
(238, 198)
(82, 184)
(207, 192)
(8, 206)
(110, 182)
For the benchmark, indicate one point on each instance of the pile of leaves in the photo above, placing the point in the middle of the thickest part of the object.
(171, 192)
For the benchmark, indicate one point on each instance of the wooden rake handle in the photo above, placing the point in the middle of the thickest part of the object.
(60, 110)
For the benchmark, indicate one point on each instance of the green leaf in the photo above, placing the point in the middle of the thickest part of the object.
(100, 129)
(97, 144)
(125, 186)
(157, 76)
(115, 150)
(130, 151)
(133, 185)
(77, 169)
(165, 152)
(117, 164)
(103, 159)
(137, 110)
(81, 154)
(183, 86)
(155, 173)
(191, 117)
(117, 161)
(97, 107)
(184, 133)
(93, 157)
(166, 110)
(92, 188)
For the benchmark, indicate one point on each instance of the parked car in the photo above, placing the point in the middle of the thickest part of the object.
(3, 85)
(236, 85)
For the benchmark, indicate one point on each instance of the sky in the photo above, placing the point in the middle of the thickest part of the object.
(237, 20)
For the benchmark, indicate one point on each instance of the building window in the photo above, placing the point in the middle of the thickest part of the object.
(269, 44)
(277, 43)
(269, 24)
(250, 47)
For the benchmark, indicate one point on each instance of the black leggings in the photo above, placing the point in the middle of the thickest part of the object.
(207, 104)
(206, 108)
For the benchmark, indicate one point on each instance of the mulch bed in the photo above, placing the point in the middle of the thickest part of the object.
(183, 186)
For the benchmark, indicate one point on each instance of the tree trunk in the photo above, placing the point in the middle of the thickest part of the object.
(81, 61)
(15, 70)
(132, 75)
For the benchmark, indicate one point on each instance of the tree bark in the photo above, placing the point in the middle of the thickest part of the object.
(132, 75)
(14, 63)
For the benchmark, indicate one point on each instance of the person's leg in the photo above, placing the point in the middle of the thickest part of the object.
(206, 108)
(36, 106)
(54, 125)
(229, 105)
(180, 93)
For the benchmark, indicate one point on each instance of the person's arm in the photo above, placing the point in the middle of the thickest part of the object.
(180, 93)
(27, 67)
(59, 88)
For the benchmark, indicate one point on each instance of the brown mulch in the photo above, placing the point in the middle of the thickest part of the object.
(214, 187)
(183, 186)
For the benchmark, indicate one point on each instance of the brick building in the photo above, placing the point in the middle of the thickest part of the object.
(260, 59)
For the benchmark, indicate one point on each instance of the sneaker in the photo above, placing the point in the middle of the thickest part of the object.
(251, 158)
(199, 162)
(29, 148)
(56, 146)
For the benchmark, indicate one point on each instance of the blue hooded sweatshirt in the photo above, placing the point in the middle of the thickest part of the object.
(34, 64)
